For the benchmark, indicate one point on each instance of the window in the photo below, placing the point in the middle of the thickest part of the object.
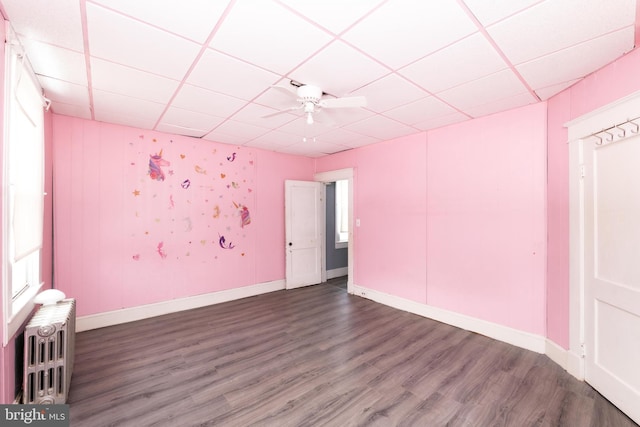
(23, 187)
(342, 213)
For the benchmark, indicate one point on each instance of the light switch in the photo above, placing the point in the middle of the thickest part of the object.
(357, 222)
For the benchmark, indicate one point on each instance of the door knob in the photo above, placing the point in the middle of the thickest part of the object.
(290, 244)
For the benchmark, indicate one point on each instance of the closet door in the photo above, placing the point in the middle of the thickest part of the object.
(612, 271)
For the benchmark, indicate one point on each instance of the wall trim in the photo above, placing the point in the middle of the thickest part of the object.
(337, 272)
(109, 318)
(503, 333)
(575, 365)
(556, 353)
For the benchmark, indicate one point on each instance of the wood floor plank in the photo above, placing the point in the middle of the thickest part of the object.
(317, 356)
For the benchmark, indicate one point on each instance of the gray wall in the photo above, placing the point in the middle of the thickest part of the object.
(336, 258)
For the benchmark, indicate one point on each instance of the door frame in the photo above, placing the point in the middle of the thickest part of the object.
(579, 130)
(333, 176)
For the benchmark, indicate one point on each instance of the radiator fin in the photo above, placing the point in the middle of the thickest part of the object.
(49, 341)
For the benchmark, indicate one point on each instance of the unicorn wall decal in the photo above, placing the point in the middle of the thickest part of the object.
(155, 161)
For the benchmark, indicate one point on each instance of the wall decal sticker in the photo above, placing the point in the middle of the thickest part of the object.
(182, 156)
(223, 176)
(245, 218)
(200, 170)
(136, 257)
(155, 163)
(224, 244)
(232, 157)
(185, 184)
(160, 250)
(172, 204)
(136, 193)
(216, 211)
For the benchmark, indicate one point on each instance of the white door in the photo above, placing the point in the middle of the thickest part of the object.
(304, 232)
(612, 271)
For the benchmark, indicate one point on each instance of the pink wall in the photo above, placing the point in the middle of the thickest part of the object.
(455, 218)
(558, 221)
(390, 201)
(207, 220)
(486, 227)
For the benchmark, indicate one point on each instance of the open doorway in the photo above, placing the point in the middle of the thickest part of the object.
(338, 252)
(337, 232)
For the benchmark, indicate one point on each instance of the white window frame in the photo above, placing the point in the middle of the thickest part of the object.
(18, 303)
(342, 213)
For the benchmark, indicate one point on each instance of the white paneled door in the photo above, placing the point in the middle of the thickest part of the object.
(304, 230)
(612, 271)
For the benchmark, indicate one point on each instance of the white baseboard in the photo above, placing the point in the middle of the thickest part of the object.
(556, 353)
(337, 272)
(503, 333)
(109, 318)
(575, 365)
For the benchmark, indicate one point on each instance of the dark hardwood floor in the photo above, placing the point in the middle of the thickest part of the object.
(317, 356)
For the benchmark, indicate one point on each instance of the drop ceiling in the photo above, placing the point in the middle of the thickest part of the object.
(206, 68)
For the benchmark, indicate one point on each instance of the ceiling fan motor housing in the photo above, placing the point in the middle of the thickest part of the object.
(309, 93)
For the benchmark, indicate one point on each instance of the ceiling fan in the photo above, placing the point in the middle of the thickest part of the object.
(310, 100)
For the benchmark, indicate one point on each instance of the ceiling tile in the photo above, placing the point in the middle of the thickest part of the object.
(402, 31)
(268, 35)
(166, 14)
(502, 104)
(114, 108)
(275, 139)
(207, 102)
(233, 132)
(302, 128)
(547, 92)
(56, 62)
(254, 114)
(497, 86)
(381, 127)
(127, 81)
(389, 92)
(61, 91)
(185, 122)
(342, 116)
(464, 61)
(421, 110)
(577, 61)
(338, 69)
(334, 15)
(224, 74)
(58, 23)
(82, 112)
(557, 24)
(492, 11)
(316, 146)
(281, 96)
(348, 138)
(138, 45)
(436, 122)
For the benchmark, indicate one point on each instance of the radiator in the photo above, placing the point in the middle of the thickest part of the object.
(49, 340)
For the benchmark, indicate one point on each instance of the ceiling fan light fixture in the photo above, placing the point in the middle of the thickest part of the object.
(309, 118)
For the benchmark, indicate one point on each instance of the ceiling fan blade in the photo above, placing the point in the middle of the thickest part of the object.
(282, 112)
(349, 102)
(285, 91)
